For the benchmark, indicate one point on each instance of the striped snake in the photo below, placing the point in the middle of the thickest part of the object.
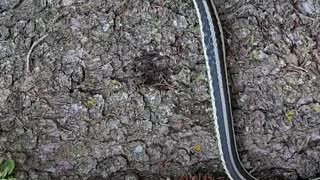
(214, 51)
(215, 56)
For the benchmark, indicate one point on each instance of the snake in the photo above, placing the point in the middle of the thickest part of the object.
(215, 57)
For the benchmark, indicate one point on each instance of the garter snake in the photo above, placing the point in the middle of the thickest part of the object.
(214, 51)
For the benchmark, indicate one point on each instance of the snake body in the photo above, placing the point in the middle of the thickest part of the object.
(214, 51)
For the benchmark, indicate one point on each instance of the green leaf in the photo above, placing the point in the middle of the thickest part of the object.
(7, 168)
(11, 165)
(4, 173)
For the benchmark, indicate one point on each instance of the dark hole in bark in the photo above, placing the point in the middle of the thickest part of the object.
(154, 70)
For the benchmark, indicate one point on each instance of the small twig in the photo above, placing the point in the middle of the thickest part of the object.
(299, 68)
(24, 127)
(165, 85)
(30, 51)
(162, 124)
(123, 13)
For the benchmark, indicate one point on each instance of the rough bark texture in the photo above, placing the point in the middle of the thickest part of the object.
(117, 89)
